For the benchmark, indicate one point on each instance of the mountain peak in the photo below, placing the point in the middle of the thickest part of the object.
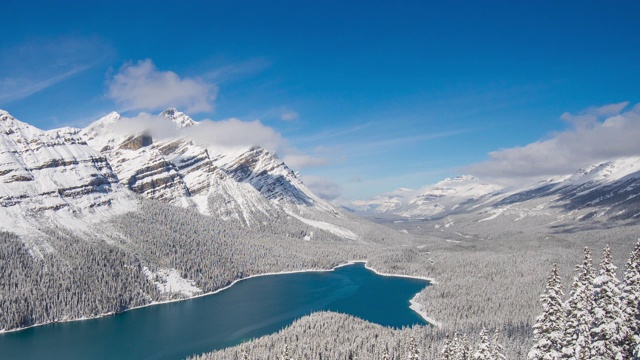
(459, 179)
(11, 125)
(5, 116)
(181, 119)
(108, 119)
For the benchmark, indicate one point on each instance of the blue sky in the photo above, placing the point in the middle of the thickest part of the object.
(366, 96)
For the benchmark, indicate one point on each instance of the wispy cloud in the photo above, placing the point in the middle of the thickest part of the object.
(236, 70)
(35, 65)
(333, 134)
(289, 115)
(12, 89)
(368, 146)
(141, 86)
(597, 134)
(401, 140)
(323, 187)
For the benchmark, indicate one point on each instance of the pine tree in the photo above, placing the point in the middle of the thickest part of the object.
(548, 332)
(414, 353)
(447, 351)
(608, 331)
(245, 356)
(484, 348)
(579, 309)
(631, 301)
(497, 350)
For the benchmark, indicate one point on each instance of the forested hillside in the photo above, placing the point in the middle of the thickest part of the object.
(124, 262)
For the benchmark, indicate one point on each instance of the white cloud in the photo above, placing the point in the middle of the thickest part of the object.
(224, 135)
(230, 136)
(298, 161)
(141, 86)
(322, 187)
(234, 134)
(156, 126)
(597, 134)
(592, 115)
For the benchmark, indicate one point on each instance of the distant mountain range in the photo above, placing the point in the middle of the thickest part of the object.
(607, 191)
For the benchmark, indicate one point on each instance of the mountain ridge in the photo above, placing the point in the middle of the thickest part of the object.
(80, 169)
(608, 189)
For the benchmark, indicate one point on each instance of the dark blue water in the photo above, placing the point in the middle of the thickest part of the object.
(251, 308)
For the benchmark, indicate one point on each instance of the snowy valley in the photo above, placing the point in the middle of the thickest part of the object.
(157, 213)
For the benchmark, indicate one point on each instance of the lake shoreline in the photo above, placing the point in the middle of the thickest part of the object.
(413, 304)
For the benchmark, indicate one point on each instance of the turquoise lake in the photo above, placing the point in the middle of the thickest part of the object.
(250, 308)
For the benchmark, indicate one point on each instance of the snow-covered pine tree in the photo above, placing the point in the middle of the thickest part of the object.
(465, 349)
(447, 351)
(456, 347)
(631, 301)
(385, 354)
(286, 354)
(609, 330)
(578, 310)
(548, 332)
(245, 356)
(497, 350)
(483, 352)
(414, 353)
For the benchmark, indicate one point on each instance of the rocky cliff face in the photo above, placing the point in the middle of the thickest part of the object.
(184, 173)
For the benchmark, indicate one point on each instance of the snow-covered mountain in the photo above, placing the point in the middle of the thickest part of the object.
(431, 201)
(608, 190)
(52, 171)
(45, 174)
